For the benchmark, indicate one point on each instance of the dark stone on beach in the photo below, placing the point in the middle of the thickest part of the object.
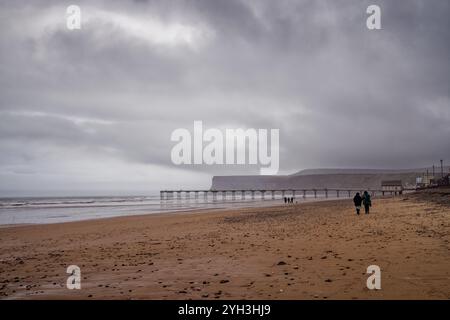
(182, 291)
(328, 280)
(281, 263)
(224, 281)
(324, 257)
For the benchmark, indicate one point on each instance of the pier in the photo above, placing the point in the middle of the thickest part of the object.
(269, 194)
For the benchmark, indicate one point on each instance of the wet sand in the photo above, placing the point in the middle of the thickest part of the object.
(304, 251)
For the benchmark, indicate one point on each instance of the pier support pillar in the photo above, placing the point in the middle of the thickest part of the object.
(326, 193)
(262, 194)
(233, 195)
(273, 194)
(243, 194)
(348, 193)
(315, 193)
(337, 193)
(253, 195)
(304, 194)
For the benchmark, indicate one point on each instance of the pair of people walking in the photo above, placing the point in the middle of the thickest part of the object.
(365, 200)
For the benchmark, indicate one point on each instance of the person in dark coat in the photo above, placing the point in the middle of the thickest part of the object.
(367, 202)
(357, 200)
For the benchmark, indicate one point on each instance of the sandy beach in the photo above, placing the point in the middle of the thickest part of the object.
(317, 250)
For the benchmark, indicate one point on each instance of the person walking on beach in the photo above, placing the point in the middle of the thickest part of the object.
(366, 201)
(357, 201)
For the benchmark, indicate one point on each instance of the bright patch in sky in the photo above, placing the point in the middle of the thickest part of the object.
(148, 28)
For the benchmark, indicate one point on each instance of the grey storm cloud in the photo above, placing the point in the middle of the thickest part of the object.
(91, 108)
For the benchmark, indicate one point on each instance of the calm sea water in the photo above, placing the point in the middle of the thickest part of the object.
(64, 209)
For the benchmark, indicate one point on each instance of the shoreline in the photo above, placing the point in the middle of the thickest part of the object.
(156, 215)
(223, 206)
(311, 250)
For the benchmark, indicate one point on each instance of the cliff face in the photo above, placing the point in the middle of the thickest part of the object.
(312, 181)
(418, 171)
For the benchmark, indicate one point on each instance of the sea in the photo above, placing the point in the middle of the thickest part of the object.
(44, 210)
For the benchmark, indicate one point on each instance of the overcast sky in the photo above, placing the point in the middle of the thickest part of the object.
(93, 109)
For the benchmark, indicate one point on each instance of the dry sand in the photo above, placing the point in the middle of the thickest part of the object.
(305, 251)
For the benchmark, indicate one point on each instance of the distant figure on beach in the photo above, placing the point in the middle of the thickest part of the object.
(366, 201)
(357, 200)
(288, 199)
